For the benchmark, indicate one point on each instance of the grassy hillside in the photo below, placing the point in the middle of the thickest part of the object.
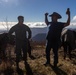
(36, 66)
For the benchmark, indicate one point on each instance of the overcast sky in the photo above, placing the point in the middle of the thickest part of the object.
(34, 10)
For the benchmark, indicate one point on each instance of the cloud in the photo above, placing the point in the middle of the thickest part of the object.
(16, 2)
(5, 0)
(74, 18)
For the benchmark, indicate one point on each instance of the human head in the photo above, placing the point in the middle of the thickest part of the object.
(20, 19)
(55, 16)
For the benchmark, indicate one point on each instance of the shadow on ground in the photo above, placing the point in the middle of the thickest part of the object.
(58, 71)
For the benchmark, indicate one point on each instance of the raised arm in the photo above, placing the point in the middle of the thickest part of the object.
(68, 20)
(46, 19)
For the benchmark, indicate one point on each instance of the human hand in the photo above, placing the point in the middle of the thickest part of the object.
(68, 11)
(46, 14)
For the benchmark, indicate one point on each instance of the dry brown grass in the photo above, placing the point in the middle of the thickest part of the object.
(65, 67)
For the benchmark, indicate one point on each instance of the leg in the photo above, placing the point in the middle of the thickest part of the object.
(55, 51)
(48, 48)
(18, 55)
(69, 50)
(65, 46)
(25, 49)
(29, 49)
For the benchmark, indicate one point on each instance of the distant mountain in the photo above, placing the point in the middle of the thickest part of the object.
(41, 37)
(39, 29)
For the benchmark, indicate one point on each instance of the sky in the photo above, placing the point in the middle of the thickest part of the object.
(34, 10)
